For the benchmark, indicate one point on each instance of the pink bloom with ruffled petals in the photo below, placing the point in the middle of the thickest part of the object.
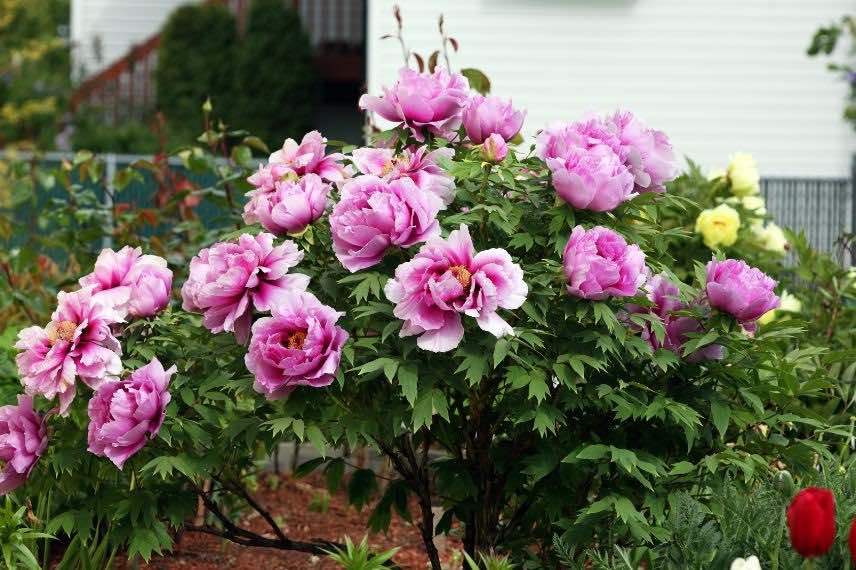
(374, 215)
(418, 164)
(646, 152)
(740, 290)
(433, 101)
(298, 345)
(23, 439)
(308, 158)
(494, 149)
(599, 263)
(485, 116)
(665, 297)
(446, 279)
(290, 207)
(77, 342)
(124, 415)
(587, 172)
(136, 285)
(229, 279)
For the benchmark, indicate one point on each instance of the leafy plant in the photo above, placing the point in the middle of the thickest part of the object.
(17, 538)
(360, 557)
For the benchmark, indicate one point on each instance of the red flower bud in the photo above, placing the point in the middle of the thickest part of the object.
(811, 521)
(851, 541)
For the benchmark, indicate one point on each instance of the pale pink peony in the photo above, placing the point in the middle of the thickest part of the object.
(494, 149)
(134, 284)
(23, 439)
(646, 152)
(599, 264)
(374, 215)
(665, 297)
(229, 279)
(448, 278)
(290, 207)
(587, 172)
(742, 291)
(298, 345)
(124, 415)
(432, 101)
(77, 342)
(418, 164)
(305, 158)
(485, 116)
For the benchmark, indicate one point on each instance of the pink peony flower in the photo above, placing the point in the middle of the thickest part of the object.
(423, 100)
(418, 164)
(646, 152)
(587, 172)
(305, 158)
(494, 148)
(374, 215)
(23, 439)
(298, 345)
(742, 291)
(77, 342)
(134, 284)
(229, 279)
(290, 207)
(665, 297)
(485, 116)
(599, 264)
(447, 278)
(124, 415)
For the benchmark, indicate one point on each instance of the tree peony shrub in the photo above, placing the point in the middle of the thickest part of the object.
(545, 376)
(23, 439)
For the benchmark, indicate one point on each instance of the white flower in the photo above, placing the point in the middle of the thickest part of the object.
(771, 238)
(789, 303)
(751, 563)
(743, 175)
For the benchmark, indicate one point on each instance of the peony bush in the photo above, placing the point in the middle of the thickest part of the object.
(518, 328)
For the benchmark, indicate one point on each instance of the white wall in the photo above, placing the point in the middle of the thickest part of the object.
(118, 23)
(719, 76)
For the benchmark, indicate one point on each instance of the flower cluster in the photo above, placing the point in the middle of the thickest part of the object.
(600, 163)
(81, 341)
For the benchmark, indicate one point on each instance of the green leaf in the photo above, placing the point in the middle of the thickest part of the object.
(478, 80)
(316, 438)
(408, 379)
(500, 350)
(720, 413)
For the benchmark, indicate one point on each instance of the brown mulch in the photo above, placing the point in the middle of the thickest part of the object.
(288, 501)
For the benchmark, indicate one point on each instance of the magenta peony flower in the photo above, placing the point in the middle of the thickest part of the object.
(290, 207)
(647, 153)
(77, 342)
(298, 345)
(124, 415)
(134, 284)
(494, 148)
(742, 291)
(447, 278)
(374, 215)
(665, 297)
(23, 439)
(307, 158)
(599, 264)
(228, 279)
(485, 116)
(423, 100)
(415, 163)
(587, 172)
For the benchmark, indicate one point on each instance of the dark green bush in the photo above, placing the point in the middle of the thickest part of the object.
(196, 60)
(275, 77)
(133, 137)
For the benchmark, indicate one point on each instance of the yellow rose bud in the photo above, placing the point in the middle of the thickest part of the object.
(789, 303)
(743, 175)
(718, 226)
(767, 317)
(771, 238)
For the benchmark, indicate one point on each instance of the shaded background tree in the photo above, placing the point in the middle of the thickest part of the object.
(196, 60)
(275, 101)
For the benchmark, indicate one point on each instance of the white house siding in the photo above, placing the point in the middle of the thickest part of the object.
(719, 76)
(118, 25)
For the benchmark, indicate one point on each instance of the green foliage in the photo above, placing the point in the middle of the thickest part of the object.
(489, 562)
(196, 60)
(17, 538)
(276, 101)
(824, 42)
(36, 70)
(91, 133)
(359, 557)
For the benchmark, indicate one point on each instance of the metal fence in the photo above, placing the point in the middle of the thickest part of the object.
(821, 207)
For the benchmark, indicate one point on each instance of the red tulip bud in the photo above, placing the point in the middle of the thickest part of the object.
(811, 522)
